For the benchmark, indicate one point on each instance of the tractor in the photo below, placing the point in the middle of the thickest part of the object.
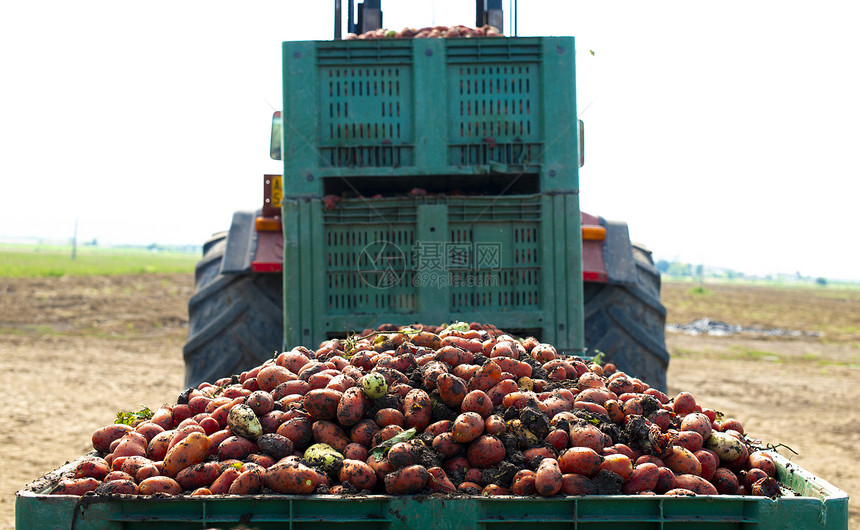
(425, 181)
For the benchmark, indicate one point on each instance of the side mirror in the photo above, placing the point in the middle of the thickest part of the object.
(581, 143)
(275, 142)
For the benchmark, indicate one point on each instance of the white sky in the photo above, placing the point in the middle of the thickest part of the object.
(723, 132)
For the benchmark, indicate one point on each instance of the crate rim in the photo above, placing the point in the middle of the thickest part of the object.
(835, 493)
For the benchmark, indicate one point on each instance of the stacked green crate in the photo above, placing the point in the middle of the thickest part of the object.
(488, 128)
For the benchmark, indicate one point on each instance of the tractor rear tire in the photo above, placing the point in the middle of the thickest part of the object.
(235, 321)
(627, 323)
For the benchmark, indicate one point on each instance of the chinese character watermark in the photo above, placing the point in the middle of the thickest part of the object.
(448, 256)
(382, 264)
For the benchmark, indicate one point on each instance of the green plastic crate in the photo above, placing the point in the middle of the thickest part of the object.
(816, 504)
(403, 108)
(486, 126)
(514, 261)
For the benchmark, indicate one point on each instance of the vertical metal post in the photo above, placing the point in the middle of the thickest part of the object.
(489, 12)
(338, 19)
(495, 16)
(75, 241)
(371, 15)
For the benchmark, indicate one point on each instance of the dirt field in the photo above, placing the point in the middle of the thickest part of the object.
(76, 350)
(797, 391)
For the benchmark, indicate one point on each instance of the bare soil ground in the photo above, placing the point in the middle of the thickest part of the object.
(75, 350)
(798, 391)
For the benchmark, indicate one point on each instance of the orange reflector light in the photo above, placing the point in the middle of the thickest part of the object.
(268, 224)
(593, 233)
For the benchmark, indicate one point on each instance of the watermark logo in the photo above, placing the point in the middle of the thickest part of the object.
(381, 264)
(456, 264)
(441, 256)
(488, 255)
(456, 279)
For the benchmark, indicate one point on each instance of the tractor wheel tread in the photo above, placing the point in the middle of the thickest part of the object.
(235, 321)
(627, 323)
